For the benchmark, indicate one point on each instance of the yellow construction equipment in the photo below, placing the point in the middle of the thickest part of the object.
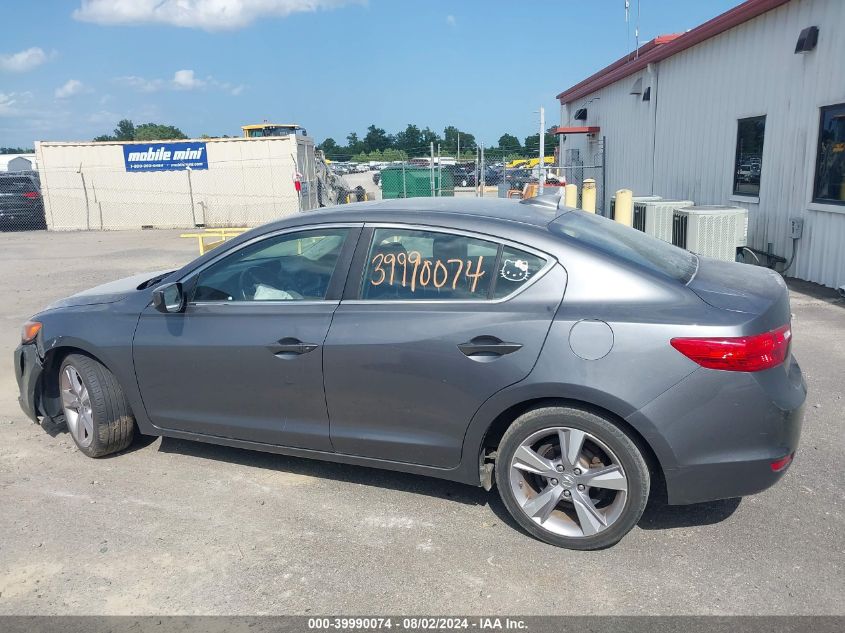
(261, 130)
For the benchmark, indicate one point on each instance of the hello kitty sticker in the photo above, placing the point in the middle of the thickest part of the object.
(515, 270)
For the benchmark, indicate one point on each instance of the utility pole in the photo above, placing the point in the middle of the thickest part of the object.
(542, 165)
(477, 175)
(431, 170)
(483, 181)
(458, 157)
(439, 172)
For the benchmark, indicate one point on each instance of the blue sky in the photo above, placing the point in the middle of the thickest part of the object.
(70, 69)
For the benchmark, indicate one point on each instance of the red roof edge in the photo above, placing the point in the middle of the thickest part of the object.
(591, 129)
(667, 45)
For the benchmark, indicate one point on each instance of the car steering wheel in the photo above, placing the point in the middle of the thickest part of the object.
(248, 280)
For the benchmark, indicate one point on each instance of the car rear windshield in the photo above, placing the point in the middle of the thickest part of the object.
(627, 244)
(15, 184)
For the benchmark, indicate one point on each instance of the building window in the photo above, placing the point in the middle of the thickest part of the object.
(830, 157)
(749, 156)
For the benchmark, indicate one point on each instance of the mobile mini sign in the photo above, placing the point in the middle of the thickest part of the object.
(165, 156)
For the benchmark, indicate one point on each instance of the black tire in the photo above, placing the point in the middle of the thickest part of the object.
(626, 451)
(113, 422)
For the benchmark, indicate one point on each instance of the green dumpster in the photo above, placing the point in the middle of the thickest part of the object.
(415, 182)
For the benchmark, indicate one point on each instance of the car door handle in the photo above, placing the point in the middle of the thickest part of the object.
(488, 346)
(290, 347)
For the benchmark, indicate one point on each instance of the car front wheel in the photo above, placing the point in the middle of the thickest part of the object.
(571, 478)
(96, 412)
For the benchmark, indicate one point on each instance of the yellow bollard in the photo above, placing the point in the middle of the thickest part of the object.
(588, 195)
(570, 195)
(624, 212)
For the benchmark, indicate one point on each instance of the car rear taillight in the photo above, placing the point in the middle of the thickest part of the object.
(31, 195)
(781, 464)
(739, 353)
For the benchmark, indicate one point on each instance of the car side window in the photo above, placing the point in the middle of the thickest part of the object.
(516, 269)
(405, 264)
(289, 267)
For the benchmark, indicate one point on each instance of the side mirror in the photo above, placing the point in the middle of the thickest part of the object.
(169, 298)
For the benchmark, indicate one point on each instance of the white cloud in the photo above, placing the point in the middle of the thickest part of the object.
(70, 88)
(451, 21)
(23, 61)
(11, 102)
(210, 15)
(140, 84)
(185, 79)
(7, 104)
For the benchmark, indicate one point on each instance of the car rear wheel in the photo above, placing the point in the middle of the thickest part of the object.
(571, 478)
(96, 412)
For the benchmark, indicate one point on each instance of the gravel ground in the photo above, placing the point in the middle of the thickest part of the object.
(178, 527)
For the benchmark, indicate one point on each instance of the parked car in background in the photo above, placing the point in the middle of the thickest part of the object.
(21, 204)
(493, 175)
(745, 172)
(574, 362)
(464, 176)
(518, 178)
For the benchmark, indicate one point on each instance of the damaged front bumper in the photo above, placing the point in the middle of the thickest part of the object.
(28, 370)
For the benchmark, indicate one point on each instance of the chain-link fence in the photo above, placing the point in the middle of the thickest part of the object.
(237, 193)
(491, 173)
(250, 191)
(579, 165)
(21, 202)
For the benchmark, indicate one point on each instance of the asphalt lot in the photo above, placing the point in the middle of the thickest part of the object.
(365, 180)
(179, 527)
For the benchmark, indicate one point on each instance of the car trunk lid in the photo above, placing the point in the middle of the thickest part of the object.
(743, 288)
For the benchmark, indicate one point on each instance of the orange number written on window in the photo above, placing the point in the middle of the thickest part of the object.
(411, 270)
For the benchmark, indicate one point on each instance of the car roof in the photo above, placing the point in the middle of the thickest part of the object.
(538, 212)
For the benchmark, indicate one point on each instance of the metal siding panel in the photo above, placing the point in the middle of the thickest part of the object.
(702, 91)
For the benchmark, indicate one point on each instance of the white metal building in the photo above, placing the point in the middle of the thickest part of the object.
(747, 109)
(234, 182)
(18, 162)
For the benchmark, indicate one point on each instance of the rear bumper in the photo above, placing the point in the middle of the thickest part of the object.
(722, 431)
(28, 369)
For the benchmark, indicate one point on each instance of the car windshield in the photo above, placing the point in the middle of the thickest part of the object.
(627, 244)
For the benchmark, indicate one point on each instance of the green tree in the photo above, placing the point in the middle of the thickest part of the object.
(532, 143)
(509, 143)
(16, 150)
(391, 154)
(353, 144)
(427, 136)
(125, 130)
(451, 134)
(330, 148)
(158, 132)
(409, 140)
(376, 139)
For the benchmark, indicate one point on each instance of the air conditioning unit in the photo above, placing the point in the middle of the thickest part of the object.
(636, 199)
(709, 230)
(654, 217)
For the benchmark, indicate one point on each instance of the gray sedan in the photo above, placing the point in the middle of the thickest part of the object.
(575, 364)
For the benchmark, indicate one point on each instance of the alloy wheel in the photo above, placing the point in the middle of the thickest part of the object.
(76, 403)
(568, 482)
